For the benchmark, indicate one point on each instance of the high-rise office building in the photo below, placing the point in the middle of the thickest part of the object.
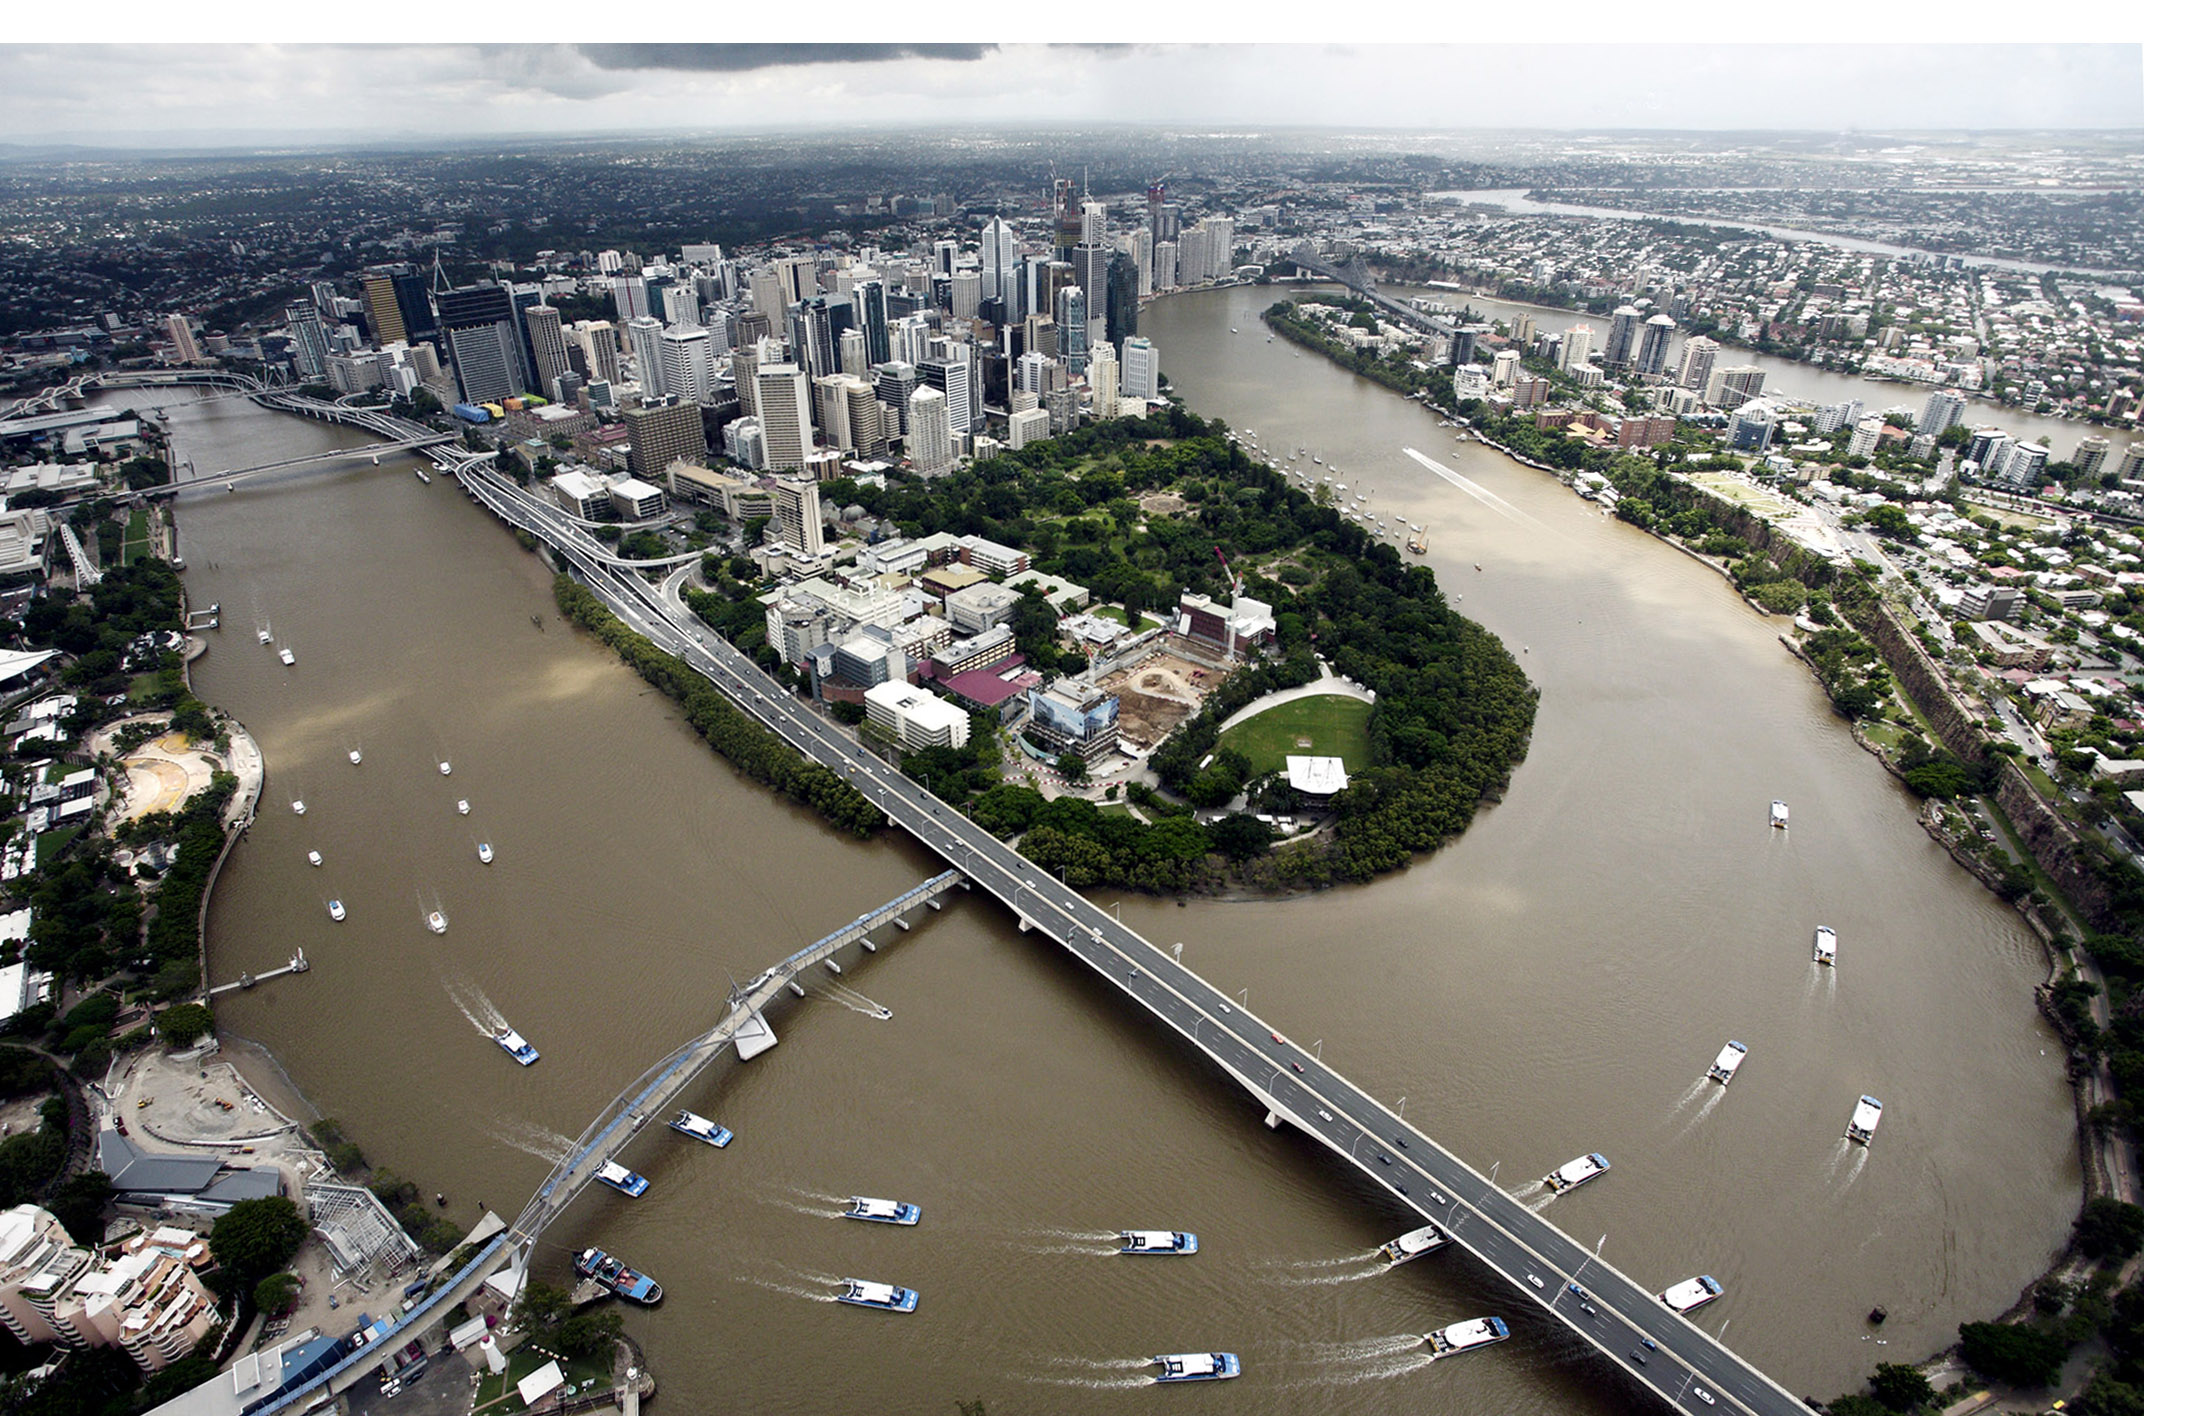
(598, 348)
(308, 340)
(179, 335)
(996, 263)
(1093, 231)
(847, 412)
(969, 283)
(661, 432)
(782, 404)
(682, 305)
(952, 378)
(800, 508)
(629, 297)
(1141, 369)
(546, 336)
(1122, 297)
(1697, 358)
(384, 315)
(688, 368)
(768, 298)
(1104, 376)
(1071, 329)
(645, 336)
(1164, 265)
(854, 354)
(482, 327)
(896, 381)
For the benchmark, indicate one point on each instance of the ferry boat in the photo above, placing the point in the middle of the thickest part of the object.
(286, 656)
(882, 1211)
(702, 1128)
(1466, 1336)
(621, 1280)
(465, 807)
(443, 767)
(1864, 1124)
(486, 851)
(1729, 1060)
(1576, 1172)
(355, 757)
(1413, 1245)
(521, 1050)
(1694, 1293)
(1196, 1366)
(298, 806)
(336, 910)
(312, 857)
(1157, 1241)
(1779, 816)
(877, 1295)
(436, 921)
(1827, 943)
(619, 1178)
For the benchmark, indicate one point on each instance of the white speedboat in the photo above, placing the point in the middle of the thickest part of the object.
(312, 857)
(436, 921)
(336, 910)
(286, 656)
(882, 1211)
(1694, 1293)
(423, 476)
(267, 636)
(298, 806)
(1157, 1241)
(1864, 1124)
(1196, 1366)
(355, 757)
(1576, 1172)
(443, 767)
(465, 807)
(619, 1178)
(486, 851)
(1729, 1060)
(883, 1296)
(522, 1050)
(1413, 1245)
(1779, 816)
(1466, 1336)
(702, 1128)
(1827, 944)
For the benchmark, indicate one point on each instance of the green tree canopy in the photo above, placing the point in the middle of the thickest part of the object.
(256, 1238)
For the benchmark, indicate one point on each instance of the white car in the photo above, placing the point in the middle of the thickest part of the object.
(1535, 1279)
(1706, 1398)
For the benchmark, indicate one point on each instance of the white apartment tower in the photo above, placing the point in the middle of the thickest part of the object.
(1141, 369)
(930, 440)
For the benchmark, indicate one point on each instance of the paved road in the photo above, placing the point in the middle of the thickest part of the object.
(1687, 1368)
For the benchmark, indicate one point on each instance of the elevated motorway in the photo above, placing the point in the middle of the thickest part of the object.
(1688, 1369)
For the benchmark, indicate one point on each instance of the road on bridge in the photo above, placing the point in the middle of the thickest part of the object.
(1687, 1368)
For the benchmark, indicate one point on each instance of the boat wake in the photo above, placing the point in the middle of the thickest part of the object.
(1538, 1206)
(535, 1140)
(1473, 489)
(1688, 1098)
(817, 1288)
(1374, 1368)
(1710, 1104)
(1527, 1191)
(855, 1002)
(476, 1006)
(1847, 1168)
(1359, 1350)
(1322, 1273)
(1101, 1376)
(810, 1204)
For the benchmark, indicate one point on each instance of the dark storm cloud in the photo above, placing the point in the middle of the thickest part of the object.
(738, 58)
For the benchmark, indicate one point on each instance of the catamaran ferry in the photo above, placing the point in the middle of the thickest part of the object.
(702, 1128)
(1730, 1058)
(1196, 1366)
(518, 1047)
(1157, 1241)
(1413, 1245)
(1827, 944)
(1576, 1172)
(633, 1287)
(882, 1211)
(1864, 1124)
(877, 1295)
(1694, 1293)
(619, 1178)
(1466, 1336)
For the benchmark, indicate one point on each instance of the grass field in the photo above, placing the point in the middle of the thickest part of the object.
(137, 540)
(1333, 725)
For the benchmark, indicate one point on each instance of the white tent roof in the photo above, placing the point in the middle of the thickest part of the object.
(540, 1383)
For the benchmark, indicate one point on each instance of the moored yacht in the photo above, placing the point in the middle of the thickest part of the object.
(1779, 816)
(619, 1178)
(1196, 1366)
(1576, 1172)
(702, 1128)
(1694, 1293)
(1466, 1336)
(336, 910)
(1413, 1245)
(1157, 1241)
(522, 1051)
(883, 1296)
(882, 1211)
(1864, 1124)
(625, 1282)
(1729, 1060)
(1827, 944)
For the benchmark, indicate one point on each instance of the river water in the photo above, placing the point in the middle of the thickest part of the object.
(1556, 981)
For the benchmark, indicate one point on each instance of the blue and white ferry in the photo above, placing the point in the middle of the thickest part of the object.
(521, 1050)
(619, 1178)
(882, 1211)
(702, 1128)
(885, 1296)
(1196, 1366)
(1158, 1241)
(1466, 1336)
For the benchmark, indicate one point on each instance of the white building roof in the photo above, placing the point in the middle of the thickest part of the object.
(1318, 776)
(540, 1383)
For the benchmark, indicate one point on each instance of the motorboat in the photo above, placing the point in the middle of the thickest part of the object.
(1729, 1060)
(312, 857)
(884, 1296)
(619, 1178)
(882, 1211)
(1423, 1240)
(422, 475)
(1694, 1293)
(1828, 943)
(298, 806)
(1576, 1172)
(621, 1280)
(1196, 1366)
(1779, 815)
(465, 807)
(1466, 1336)
(355, 758)
(336, 910)
(520, 1049)
(286, 656)
(443, 767)
(1157, 1241)
(702, 1128)
(1864, 1124)
(436, 921)
(486, 851)
(267, 636)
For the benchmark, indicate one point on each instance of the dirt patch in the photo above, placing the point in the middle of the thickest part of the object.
(1157, 694)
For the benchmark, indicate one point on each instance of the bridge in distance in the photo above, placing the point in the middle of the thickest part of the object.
(1687, 1369)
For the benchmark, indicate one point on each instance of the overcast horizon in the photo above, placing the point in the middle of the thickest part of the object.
(304, 95)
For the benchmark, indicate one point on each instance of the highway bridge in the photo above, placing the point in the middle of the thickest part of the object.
(1354, 276)
(1687, 1369)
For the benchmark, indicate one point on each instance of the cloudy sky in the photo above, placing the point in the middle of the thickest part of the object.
(201, 93)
